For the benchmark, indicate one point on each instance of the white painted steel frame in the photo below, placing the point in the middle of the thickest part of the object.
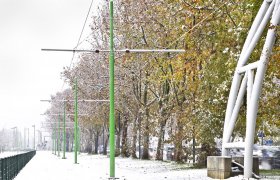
(269, 9)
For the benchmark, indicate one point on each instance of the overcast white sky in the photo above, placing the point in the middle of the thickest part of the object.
(26, 73)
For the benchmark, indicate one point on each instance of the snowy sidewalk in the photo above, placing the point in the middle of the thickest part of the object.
(46, 166)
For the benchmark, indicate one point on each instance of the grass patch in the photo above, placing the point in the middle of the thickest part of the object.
(184, 166)
(272, 172)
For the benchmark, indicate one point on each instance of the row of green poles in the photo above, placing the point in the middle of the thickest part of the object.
(56, 141)
(56, 137)
(112, 106)
(112, 99)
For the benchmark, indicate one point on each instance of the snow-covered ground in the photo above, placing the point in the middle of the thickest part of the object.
(46, 166)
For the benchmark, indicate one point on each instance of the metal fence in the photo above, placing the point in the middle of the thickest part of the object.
(10, 166)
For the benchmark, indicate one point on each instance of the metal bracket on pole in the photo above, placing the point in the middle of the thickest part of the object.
(73, 100)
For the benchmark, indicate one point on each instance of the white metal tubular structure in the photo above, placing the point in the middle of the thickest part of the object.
(269, 9)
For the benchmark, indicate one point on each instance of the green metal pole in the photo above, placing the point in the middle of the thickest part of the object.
(79, 140)
(58, 137)
(112, 99)
(52, 144)
(76, 123)
(64, 132)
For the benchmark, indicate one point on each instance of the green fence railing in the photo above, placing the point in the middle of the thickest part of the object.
(10, 166)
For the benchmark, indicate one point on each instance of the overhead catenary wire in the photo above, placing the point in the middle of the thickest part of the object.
(82, 30)
(84, 23)
(78, 43)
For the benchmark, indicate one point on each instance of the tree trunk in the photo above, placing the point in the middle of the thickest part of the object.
(105, 145)
(72, 143)
(139, 136)
(159, 155)
(146, 137)
(67, 142)
(89, 142)
(96, 139)
(124, 149)
(118, 140)
(193, 139)
(178, 143)
(134, 139)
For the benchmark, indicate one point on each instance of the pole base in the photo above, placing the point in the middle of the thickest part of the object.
(113, 178)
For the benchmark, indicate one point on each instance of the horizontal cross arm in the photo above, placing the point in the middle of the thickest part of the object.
(120, 50)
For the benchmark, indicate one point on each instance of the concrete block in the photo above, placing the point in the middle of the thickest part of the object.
(219, 167)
